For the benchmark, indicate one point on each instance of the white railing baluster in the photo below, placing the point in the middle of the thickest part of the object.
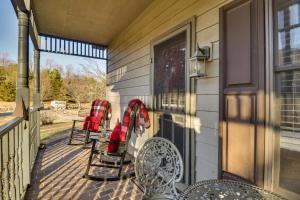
(11, 167)
(1, 169)
(20, 158)
(5, 167)
(17, 176)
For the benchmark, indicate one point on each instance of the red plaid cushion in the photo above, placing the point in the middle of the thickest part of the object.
(96, 105)
(91, 124)
(98, 110)
(143, 113)
(105, 106)
(121, 134)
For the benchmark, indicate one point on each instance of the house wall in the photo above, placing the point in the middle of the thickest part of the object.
(129, 70)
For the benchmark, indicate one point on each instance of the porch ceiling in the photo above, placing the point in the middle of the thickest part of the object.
(94, 21)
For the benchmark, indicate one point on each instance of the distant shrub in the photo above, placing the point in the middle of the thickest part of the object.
(47, 118)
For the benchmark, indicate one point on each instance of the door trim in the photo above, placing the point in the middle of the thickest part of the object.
(270, 98)
(189, 26)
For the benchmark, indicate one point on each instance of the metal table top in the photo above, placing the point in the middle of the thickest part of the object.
(226, 189)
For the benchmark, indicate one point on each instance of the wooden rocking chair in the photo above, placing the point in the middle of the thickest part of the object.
(100, 145)
(99, 117)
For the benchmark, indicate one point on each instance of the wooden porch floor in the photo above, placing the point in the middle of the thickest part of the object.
(58, 171)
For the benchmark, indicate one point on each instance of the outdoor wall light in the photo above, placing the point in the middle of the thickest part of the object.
(198, 61)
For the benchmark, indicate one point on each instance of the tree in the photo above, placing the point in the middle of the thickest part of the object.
(79, 87)
(8, 91)
(52, 84)
(45, 84)
(51, 64)
(92, 68)
(56, 84)
(8, 79)
(8, 76)
(5, 61)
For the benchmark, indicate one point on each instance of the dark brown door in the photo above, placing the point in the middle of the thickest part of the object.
(242, 90)
(170, 90)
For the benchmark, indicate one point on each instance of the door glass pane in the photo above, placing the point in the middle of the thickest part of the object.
(287, 53)
(289, 140)
(287, 32)
(169, 73)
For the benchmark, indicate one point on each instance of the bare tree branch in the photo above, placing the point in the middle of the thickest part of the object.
(5, 59)
(92, 68)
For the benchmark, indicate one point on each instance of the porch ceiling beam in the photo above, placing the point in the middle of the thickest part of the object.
(34, 34)
(61, 45)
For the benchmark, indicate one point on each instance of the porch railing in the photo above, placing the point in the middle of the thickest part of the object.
(19, 141)
(34, 130)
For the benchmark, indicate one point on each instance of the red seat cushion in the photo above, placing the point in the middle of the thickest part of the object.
(91, 124)
(99, 108)
(114, 137)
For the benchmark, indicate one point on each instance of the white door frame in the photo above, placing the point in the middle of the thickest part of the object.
(188, 26)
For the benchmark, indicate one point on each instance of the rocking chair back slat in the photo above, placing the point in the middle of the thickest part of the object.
(131, 126)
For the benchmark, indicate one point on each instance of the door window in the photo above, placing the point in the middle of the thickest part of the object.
(170, 91)
(169, 74)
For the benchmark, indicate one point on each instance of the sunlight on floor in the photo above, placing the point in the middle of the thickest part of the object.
(58, 171)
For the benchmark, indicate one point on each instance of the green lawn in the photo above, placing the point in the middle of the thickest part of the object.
(46, 131)
(5, 119)
(55, 129)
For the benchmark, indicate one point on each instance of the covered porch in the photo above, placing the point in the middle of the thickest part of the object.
(181, 58)
(56, 172)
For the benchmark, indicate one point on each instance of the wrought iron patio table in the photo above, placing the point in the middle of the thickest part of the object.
(226, 189)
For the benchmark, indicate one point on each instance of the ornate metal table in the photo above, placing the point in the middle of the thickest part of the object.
(226, 189)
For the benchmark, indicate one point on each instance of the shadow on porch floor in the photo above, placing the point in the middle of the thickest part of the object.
(58, 171)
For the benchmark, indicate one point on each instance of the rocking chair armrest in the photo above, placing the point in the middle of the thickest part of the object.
(108, 130)
(103, 139)
(105, 135)
(107, 141)
(74, 122)
(99, 139)
(78, 120)
(112, 142)
(94, 138)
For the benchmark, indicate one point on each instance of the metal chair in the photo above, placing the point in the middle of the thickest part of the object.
(99, 117)
(158, 167)
(100, 144)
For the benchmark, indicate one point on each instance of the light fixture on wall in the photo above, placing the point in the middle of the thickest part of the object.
(197, 63)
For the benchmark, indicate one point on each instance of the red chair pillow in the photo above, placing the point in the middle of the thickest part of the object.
(115, 139)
